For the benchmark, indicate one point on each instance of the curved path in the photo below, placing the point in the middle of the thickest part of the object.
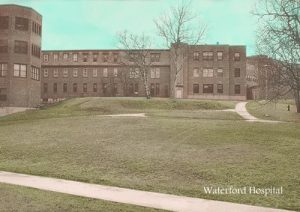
(128, 196)
(241, 109)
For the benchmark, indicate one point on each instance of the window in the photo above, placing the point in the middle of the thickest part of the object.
(65, 87)
(196, 72)
(208, 55)
(55, 57)
(85, 57)
(95, 87)
(55, 73)
(75, 72)
(116, 57)
(134, 73)
(155, 73)
(45, 72)
(105, 72)
(220, 88)
(195, 88)
(20, 70)
(74, 87)
(157, 89)
(3, 69)
(220, 55)
(115, 72)
(237, 89)
(105, 57)
(208, 88)
(85, 72)
(55, 87)
(95, 57)
(237, 56)
(196, 55)
(35, 73)
(133, 56)
(95, 72)
(75, 57)
(208, 72)
(65, 72)
(3, 46)
(21, 47)
(65, 56)
(84, 87)
(152, 73)
(104, 87)
(45, 88)
(36, 51)
(46, 58)
(220, 72)
(4, 22)
(152, 89)
(237, 72)
(21, 24)
(136, 88)
(36, 28)
(3, 94)
(154, 57)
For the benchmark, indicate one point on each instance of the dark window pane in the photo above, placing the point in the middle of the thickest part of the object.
(4, 22)
(208, 88)
(195, 88)
(21, 24)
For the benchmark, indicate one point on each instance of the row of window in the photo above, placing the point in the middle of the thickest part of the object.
(209, 72)
(209, 88)
(20, 70)
(106, 57)
(21, 24)
(85, 57)
(133, 73)
(20, 47)
(209, 55)
(133, 88)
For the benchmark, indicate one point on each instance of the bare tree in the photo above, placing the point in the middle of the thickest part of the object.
(180, 25)
(137, 56)
(279, 38)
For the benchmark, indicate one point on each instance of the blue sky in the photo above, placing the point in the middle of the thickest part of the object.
(93, 24)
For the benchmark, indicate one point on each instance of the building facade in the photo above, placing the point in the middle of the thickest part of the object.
(29, 76)
(209, 72)
(20, 51)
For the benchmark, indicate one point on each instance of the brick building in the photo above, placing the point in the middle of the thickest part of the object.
(20, 49)
(28, 75)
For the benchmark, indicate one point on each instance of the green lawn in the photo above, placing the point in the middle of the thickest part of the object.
(115, 105)
(272, 111)
(174, 150)
(22, 199)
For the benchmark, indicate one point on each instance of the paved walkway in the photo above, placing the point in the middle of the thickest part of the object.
(9, 110)
(241, 109)
(127, 115)
(128, 196)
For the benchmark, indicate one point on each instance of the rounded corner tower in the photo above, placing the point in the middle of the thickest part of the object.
(20, 56)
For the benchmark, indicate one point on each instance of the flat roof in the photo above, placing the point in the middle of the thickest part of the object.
(21, 6)
(94, 50)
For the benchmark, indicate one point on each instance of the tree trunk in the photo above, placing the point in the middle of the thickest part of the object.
(297, 100)
(146, 86)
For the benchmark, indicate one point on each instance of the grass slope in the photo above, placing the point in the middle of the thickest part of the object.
(171, 151)
(102, 106)
(272, 111)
